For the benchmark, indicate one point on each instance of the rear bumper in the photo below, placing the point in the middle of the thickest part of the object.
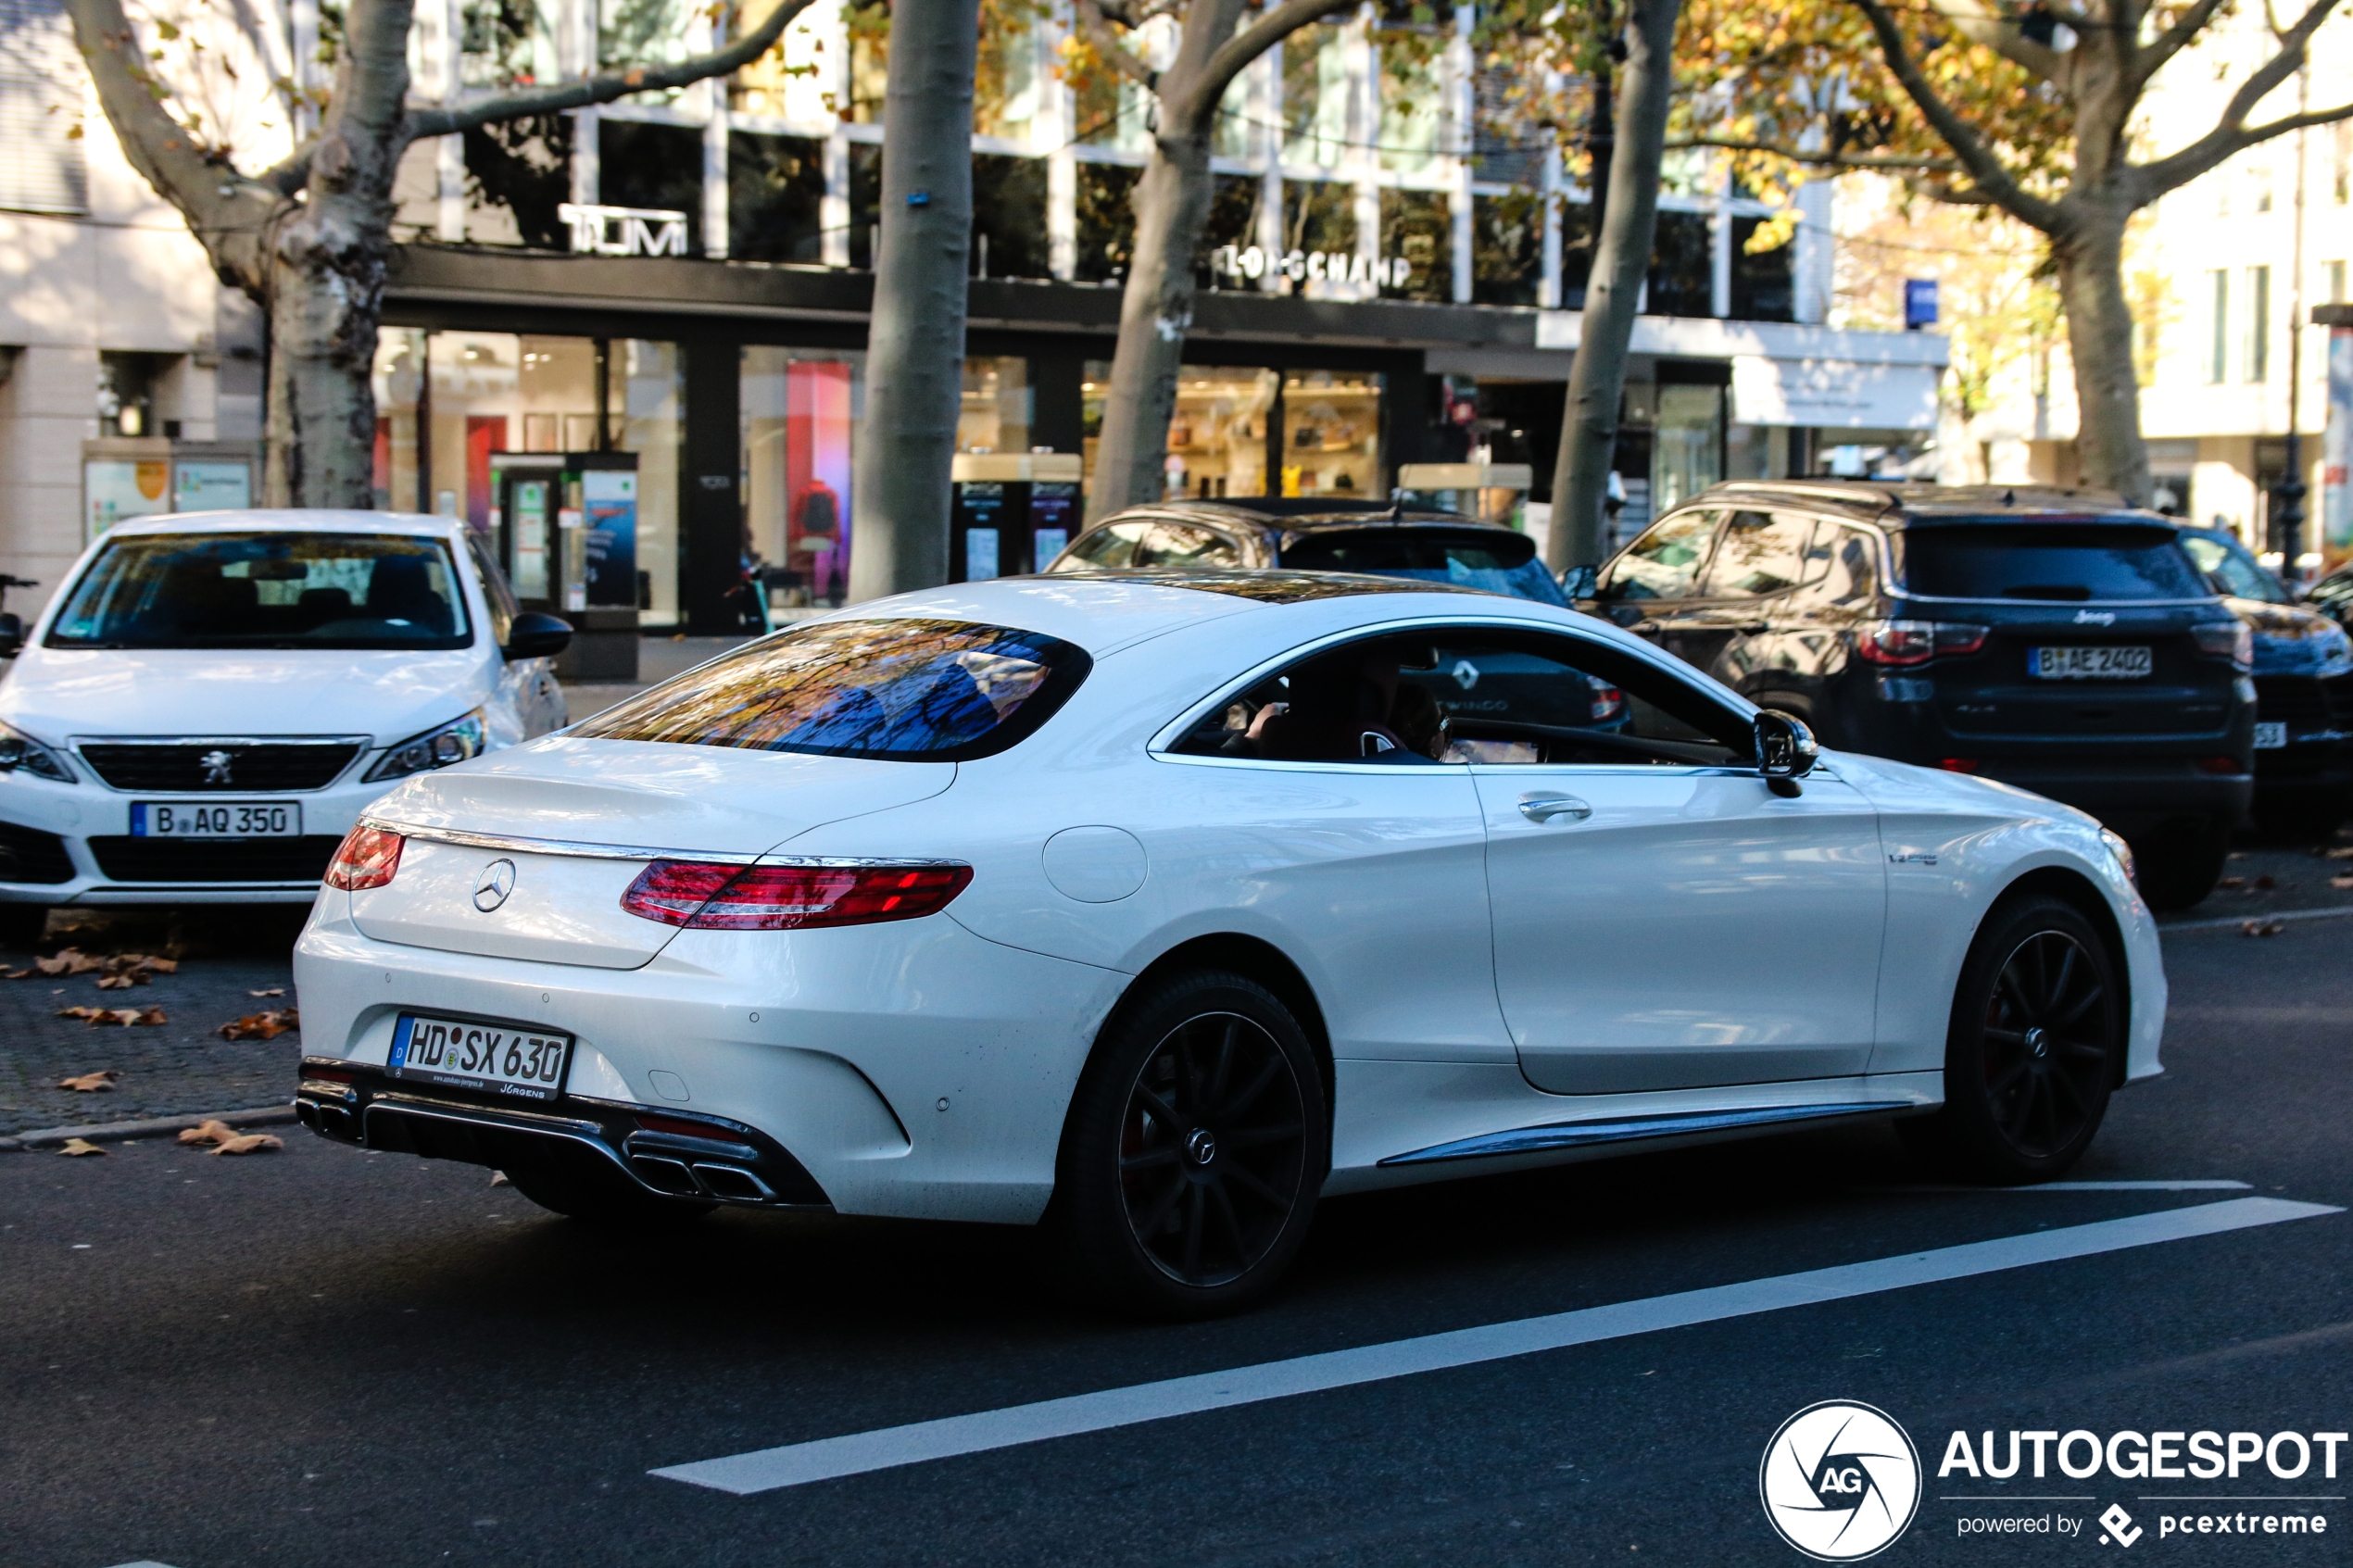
(583, 1138)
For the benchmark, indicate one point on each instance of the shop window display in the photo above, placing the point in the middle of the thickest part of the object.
(797, 412)
(995, 414)
(1331, 434)
(397, 378)
(1217, 436)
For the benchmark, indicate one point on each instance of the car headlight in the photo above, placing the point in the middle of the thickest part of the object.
(2118, 847)
(20, 750)
(454, 742)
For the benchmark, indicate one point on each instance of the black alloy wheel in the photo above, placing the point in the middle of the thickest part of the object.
(2037, 1036)
(1196, 1145)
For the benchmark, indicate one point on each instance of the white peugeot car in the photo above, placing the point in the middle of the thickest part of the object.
(1160, 905)
(211, 701)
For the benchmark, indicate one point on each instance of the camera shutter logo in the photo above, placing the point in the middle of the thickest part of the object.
(1840, 1481)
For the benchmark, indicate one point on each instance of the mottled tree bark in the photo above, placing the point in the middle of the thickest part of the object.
(915, 341)
(2108, 447)
(1621, 259)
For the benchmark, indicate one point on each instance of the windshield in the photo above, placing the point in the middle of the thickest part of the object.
(2233, 570)
(932, 691)
(1490, 560)
(2065, 562)
(266, 591)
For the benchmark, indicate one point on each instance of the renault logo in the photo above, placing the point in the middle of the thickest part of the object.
(491, 888)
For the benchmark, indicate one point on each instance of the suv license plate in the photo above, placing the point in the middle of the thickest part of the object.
(2270, 736)
(506, 1058)
(195, 819)
(2089, 663)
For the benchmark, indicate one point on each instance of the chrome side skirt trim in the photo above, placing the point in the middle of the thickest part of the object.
(1630, 1129)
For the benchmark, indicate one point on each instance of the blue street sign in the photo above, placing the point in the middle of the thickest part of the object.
(1919, 303)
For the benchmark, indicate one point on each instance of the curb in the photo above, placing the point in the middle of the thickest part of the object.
(260, 1116)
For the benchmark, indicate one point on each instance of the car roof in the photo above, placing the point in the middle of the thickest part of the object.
(290, 519)
(1291, 515)
(1894, 505)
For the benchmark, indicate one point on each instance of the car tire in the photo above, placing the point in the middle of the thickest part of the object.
(1196, 1145)
(2036, 1039)
(2179, 868)
(612, 1200)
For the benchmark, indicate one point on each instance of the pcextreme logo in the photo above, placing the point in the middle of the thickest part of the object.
(1840, 1481)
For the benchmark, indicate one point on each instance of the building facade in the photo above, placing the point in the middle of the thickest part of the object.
(1394, 271)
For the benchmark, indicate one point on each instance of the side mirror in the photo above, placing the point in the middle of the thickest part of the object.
(536, 635)
(1785, 751)
(1579, 582)
(11, 635)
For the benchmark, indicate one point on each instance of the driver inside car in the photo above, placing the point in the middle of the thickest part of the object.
(1351, 706)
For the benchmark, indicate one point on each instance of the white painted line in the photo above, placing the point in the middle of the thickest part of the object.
(2228, 922)
(797, 1463)
(2075, 1186)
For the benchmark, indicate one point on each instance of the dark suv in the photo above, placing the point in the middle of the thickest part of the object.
(1315, 535)
(2054, 639)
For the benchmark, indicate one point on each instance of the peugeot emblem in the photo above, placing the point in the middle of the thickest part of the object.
(491, 888)
(216, 766)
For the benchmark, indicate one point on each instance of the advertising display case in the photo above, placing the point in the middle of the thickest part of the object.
(1013, 512)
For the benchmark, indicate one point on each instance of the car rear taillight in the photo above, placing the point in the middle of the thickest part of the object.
(2221, 765)
(2226, 639)
(718, 898)
(1917, 642)
(1959, 764)
(367, 857)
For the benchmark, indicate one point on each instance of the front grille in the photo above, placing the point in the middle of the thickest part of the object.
(186, 767)
(124, 859)
(30, 855)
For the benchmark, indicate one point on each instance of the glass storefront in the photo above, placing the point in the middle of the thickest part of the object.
(995, 415)
(1331, 434)
(1217, 437)
(799, 411)
(1688, 453)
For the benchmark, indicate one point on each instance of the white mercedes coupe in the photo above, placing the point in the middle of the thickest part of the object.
(1156, 906)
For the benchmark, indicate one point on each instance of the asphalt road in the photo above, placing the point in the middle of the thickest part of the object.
(324, 1355)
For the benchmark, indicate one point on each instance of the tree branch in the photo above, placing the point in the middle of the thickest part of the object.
(1234, 55)
(1997, 33)
(228, 213)
(2144, 63)
(1884, 161)
(604, 87)
(1117, 55)
(1984, 169)
(2230, 133)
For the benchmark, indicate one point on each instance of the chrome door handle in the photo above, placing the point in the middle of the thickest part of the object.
(1544, 808)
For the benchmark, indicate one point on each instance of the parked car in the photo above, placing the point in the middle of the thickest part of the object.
(211, 701)
(1315, 535)
(2303, 689)
(2052, 639)
(1162, 905)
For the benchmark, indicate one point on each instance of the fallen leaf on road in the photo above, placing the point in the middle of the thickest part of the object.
(211, 1130)
(273, 991)
(119, 982)
(68, 961)
(93, 1014)
(251, 1143)
(2232, 882)
(2341, 854)
(499, 1179)
(89, 1082)
(2263, 927)
(2341, 881)
(79, 1146)
(2265, 881)
(150, 1017)
(262, 1026)
(22, 974)
(154, 965)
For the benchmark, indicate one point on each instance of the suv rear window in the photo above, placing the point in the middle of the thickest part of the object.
(2066, 562)
(1490, 560)
(914, 691)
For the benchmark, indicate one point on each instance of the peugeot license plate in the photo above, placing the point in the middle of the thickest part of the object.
(2090, 663)
(205, 819)
(509, 1058)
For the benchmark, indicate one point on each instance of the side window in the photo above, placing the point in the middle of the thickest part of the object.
(1185, 544)
(1472, 696)
(503, 606)
(1850, 567)
(1664, 562)
(1760, 553)
(1108, 547)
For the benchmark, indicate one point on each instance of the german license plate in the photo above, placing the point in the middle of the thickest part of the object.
(506, 1058)
(2270, 736)
(2089, 663)
(205, 819)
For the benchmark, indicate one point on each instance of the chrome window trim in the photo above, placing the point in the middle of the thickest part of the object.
(577, 849)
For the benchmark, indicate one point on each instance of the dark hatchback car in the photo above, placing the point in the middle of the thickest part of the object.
(2053, 639)
(2303, 691)
(1315, 535)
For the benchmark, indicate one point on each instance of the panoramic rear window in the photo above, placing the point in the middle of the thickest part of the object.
(929, 691)
(1493, 561)
(266, 590)
(2061, 562)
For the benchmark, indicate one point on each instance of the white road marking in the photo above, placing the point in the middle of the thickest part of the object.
(2076, 1186)
(799, 1463)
